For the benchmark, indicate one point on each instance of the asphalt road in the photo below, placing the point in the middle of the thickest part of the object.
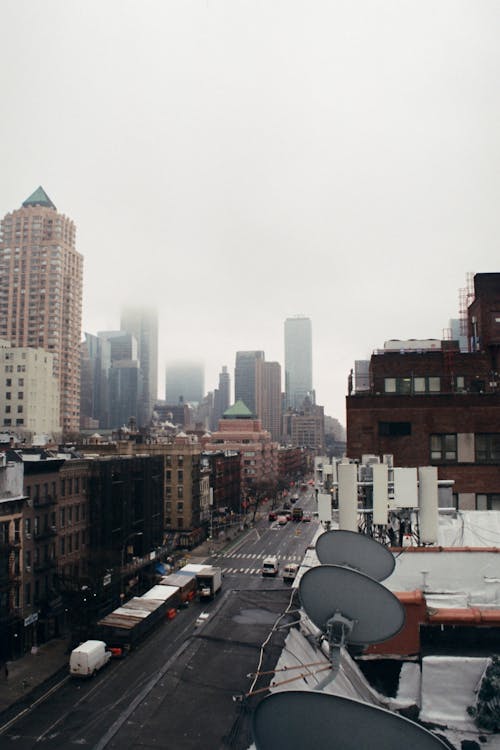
(242, 562)
(90, 713)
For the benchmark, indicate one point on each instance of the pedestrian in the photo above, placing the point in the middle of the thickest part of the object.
(6, 670)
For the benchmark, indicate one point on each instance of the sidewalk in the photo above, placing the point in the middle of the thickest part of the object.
(29, 672)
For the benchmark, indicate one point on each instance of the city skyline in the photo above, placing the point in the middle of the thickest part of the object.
(349, 173)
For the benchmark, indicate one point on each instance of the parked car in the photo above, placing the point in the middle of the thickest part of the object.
(306, 516)
(201, 619)
(272, 515)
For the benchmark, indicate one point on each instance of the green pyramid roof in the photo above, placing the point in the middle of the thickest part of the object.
(239, 410)
(39, 198)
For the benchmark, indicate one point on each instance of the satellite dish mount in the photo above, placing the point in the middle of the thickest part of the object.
(337, 629)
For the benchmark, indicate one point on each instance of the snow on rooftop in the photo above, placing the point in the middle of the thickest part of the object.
(449, 686)
(449, 578)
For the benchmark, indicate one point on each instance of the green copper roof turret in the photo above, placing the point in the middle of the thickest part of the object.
(39, 198)
(239, 410)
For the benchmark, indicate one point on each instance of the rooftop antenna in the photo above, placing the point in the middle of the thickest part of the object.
(299, 718)
(356, 551)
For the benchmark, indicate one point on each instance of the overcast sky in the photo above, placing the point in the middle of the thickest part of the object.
(237, 162)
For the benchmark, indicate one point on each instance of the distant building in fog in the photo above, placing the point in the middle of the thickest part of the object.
(125, 377)
(185, 381)
(142, 323)
(298, 361)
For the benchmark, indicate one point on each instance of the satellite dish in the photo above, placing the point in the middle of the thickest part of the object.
(328, 592)
(297, 718)
(354, 550)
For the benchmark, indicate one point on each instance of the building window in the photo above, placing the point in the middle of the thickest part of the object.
(460, 384)
(488, 502)
(488, 448)
(180, 507)
(180, 460)
(394, 429)
(444, 447)
(180, 475)
(180, 492)
(405, 386)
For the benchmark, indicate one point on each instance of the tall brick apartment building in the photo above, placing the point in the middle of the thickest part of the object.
(428, 403)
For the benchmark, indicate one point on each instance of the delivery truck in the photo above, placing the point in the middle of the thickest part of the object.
(88, 658)
(209, 582)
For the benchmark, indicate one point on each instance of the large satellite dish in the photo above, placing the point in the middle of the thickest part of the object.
(295, 719)
(354, 550)
(331, 593)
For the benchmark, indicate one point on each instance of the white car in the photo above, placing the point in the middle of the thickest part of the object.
(201, 619)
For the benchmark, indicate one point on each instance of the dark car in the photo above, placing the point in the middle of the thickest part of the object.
(272, 515)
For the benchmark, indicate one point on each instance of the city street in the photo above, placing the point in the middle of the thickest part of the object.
(97, 712)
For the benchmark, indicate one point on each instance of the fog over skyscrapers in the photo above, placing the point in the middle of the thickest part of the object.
(185, 381)
(142, 323)
(298, 361)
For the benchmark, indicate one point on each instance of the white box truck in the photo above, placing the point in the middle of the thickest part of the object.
(87, 658)
(209, 582)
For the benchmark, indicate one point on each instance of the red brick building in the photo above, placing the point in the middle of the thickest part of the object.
(428, 403)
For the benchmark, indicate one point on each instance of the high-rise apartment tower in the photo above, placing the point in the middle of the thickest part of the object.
(298, 361)
(41, 278)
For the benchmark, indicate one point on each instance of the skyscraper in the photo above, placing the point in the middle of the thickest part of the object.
(143, 324)
(41, 278)
(222, 397)
(298, 361)
(269, 399)
(247, 378)
(125, 383)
